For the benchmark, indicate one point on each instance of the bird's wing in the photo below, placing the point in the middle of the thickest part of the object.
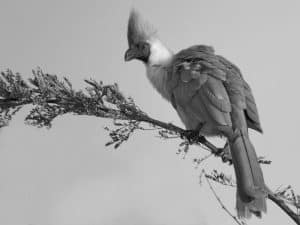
(251, 111)
(196, 83)
(206, 88)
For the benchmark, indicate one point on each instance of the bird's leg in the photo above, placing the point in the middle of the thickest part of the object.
(225, 154)
(193, 135)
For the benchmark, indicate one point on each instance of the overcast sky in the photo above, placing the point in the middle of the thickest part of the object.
(65, 175)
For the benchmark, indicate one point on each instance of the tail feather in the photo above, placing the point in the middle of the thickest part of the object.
(251, 194)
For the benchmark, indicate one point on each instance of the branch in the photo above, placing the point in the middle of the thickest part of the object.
(235, 218)
(51, 97)
(282, 198)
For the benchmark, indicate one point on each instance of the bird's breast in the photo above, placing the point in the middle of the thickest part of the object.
(157, 74)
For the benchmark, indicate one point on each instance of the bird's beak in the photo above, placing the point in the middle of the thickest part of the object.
(130, 54)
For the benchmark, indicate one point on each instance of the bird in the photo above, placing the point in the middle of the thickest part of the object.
(211, 97)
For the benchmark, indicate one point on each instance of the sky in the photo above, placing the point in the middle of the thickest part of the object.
(65, 175)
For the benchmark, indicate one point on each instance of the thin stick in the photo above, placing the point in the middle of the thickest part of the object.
(237, 220)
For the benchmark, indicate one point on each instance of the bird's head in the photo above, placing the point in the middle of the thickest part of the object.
(139, 34)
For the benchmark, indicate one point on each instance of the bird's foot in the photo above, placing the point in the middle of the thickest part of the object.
(194, 135)
(225, 154)
(191, 135)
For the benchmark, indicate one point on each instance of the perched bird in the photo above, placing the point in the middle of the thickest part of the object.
(211, 97)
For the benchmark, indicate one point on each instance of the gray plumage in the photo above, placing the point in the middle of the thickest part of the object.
(208, 92)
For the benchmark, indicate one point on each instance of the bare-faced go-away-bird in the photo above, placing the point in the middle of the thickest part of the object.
(211, 97)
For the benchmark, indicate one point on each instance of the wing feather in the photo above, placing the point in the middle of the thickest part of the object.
(216, 94)
(200, 89)
(251, 111)
(209, 85)
(218, 116)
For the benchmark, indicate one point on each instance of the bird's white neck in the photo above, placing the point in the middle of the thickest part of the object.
(159, 59)
(159, 53)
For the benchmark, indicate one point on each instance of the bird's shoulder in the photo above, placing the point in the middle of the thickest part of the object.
(197, 62)
(198, 69)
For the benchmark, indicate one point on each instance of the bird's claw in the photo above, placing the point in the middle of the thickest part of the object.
(194, 135)
(191, 135)
(225, 154)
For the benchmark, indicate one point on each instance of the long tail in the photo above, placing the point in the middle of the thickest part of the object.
(251, 194)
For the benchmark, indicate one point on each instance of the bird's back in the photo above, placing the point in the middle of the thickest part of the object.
(219, 68)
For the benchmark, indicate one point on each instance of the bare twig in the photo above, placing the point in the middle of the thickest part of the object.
(236, 219)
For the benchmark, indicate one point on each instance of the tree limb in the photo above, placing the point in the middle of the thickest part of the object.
(279, 201)
(52, 97)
